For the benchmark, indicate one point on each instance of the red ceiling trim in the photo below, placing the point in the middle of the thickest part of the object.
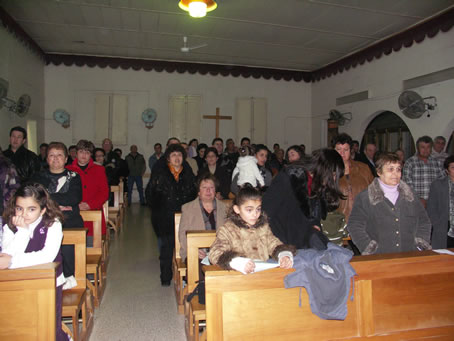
(443, 22)
(13, 27)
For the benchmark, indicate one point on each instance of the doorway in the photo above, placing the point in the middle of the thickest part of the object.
(389, 133)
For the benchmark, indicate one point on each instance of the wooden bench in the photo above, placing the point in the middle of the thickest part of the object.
(77, 299)
(115, 211)
(179, 268)
(195, 312)
(95, 258)
(407, 296)
(27, 299)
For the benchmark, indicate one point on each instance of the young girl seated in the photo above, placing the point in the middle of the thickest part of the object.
(246, 236)
(246, 170)
(33, 236)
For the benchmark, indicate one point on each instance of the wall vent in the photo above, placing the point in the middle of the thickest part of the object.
(430, 78)
(356, 97)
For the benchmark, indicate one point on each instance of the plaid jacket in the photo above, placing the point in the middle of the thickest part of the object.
(419, 175)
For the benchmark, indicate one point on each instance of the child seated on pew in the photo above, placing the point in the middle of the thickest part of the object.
(246, 235)
(33, 235)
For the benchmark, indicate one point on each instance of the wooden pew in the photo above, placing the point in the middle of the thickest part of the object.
(27, 300)
(76, 300)
(115, 211)
(405, 296)
(179, 268)
(95, 259)
(195, 312)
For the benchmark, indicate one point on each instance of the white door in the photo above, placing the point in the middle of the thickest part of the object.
(185, 117)
(251, 119)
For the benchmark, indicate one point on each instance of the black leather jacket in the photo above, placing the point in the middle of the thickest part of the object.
(27, 163)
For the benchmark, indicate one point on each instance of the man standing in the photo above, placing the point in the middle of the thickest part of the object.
(438, 149)
(368, 157)
(26, 162)
(421, 169)
(137, 167)
(156, 156)
(111, 163)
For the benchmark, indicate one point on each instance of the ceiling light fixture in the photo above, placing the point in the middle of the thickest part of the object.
(197, 8)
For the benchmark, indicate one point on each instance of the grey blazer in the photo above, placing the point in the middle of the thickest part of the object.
(192, 220)
(438, 211)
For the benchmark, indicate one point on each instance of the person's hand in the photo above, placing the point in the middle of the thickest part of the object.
(5, 261)
(285, 262)
(83, 206)
(65, 208)
(202, 254)
(249, 267)
(423, 202)
(19, 221)
(316, 227)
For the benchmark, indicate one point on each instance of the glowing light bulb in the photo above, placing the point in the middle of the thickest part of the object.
(197, 9)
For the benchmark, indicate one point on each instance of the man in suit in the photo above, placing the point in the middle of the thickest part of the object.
(368, 157)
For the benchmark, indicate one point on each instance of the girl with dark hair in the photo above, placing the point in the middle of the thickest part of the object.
(9, 182)
(301, 195)
(33, 236)
(171, 187)
(246, 235)
(200, 158)
(293, 154)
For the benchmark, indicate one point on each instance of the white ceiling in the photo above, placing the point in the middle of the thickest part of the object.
(300, 35)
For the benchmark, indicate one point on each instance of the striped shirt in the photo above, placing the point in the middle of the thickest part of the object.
(419, 174)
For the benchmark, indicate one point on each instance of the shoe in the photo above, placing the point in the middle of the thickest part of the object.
(165, 283)
(143, 204)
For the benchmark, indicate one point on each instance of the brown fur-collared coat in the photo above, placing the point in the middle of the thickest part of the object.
(251, 242)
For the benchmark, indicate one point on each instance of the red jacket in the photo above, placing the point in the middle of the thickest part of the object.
(95, 190)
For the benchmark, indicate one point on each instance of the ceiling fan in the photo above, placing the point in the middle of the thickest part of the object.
(185, 48)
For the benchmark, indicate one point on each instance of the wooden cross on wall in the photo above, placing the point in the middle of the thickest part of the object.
(217, 117)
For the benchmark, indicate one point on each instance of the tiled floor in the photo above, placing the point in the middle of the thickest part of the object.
(135, 306)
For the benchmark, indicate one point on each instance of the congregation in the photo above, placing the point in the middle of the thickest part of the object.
(262, 204)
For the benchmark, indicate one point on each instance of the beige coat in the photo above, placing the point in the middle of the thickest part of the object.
(192, 220)
(255, 243)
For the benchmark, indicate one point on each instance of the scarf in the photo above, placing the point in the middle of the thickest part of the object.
(175, 173)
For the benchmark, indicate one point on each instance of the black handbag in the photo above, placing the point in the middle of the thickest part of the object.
(199, 291)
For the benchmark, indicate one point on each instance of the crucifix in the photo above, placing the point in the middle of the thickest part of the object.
(217, 117)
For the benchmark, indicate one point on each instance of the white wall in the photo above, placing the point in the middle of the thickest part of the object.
(25, 72)
(383, 78)
(70, 88)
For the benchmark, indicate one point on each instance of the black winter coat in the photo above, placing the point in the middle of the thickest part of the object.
(166, 196)
(65, 192)
(26, 162)
(292, 214)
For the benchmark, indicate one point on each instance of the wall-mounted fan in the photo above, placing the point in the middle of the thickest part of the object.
(414, 106)
(20, 107)
(185, 48)
(62, 117)
(341, 118)
(148, 117)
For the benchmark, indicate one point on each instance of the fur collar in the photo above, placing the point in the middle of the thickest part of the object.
(376, 194)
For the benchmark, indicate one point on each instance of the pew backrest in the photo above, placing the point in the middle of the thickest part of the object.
(77, 237)
(27, 299)
(94, 216)
(400, 296)
(196, 240)
(177, 230)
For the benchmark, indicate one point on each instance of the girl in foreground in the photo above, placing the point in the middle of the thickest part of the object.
(246, 236)
(33, 236)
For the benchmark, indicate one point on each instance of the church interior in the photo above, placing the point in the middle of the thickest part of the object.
(289, 72)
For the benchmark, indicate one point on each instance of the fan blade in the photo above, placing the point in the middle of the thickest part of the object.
(196, 47)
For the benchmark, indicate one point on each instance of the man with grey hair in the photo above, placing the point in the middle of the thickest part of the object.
(438, 150)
